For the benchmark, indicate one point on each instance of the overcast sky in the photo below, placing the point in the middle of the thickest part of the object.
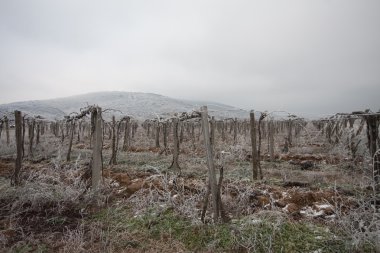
(314, 56)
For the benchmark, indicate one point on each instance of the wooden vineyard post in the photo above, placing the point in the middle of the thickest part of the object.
(42, 124)
(193, 136)
(175, 164)
(373, 135)
(113, 145)
(372, 132)
(329, 132)
(181, 133)
(255, 161)
(165, 126)
(38, 133)
(373, 121)
(96, 173)
(290, 128)
(6, 121)
(31, 137)
(223, 131)
(117, 137)
(235, 122)
(1, 127)
(271, 140)
(165, 133)
(71, 141)
(23, 136)
(67, 128)
(126, 134)
(210, 162)
(212, 133)
(351, 122)
(62, 133)
(135, 125)
(148, 130)
(79, 131)
(157, 136)
(109, 129)
(262, 117)
(18, 132)
(376, 173)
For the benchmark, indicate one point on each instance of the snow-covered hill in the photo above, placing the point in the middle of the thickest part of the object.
(136, 104)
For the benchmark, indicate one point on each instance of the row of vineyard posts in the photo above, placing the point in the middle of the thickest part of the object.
(185, 127)
(334, 127)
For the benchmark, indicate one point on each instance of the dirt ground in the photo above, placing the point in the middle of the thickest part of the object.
(313, 198)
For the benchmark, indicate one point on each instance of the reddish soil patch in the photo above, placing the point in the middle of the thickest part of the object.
(6, 168)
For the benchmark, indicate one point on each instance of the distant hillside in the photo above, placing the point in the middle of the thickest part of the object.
(136, 104)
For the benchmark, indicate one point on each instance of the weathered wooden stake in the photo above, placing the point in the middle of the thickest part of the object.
(42, 128)
(223, 131)
(262, 117)
(38, 133)
(97, 148)
(175, 164)
(193, 136)
(18, 132)
(71, 141)
(271, 140)
(181, 136)
(376, 173)
(255, 159)
(23, 136)
(126, 134)
(135, 125)
(1, 127)
(6, 121)
(79, 131)
(290, 128)
(373, 135)
(210, 162)
(113, 145)
(31, 136)
(235, 122)
(165, 137)
(157, 136)
(212, 132)
(165, 132)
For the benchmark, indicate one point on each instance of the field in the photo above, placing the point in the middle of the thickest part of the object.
(316, 194)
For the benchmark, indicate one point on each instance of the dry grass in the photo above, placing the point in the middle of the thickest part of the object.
(54, 211)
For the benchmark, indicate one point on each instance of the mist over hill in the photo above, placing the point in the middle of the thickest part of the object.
(136, 104)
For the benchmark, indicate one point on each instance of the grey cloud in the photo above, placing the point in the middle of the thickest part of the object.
(316, 56)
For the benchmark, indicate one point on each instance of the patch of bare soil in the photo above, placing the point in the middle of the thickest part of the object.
(6, 167)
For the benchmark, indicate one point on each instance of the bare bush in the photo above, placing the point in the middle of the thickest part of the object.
(73, 240)
(361, 223)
